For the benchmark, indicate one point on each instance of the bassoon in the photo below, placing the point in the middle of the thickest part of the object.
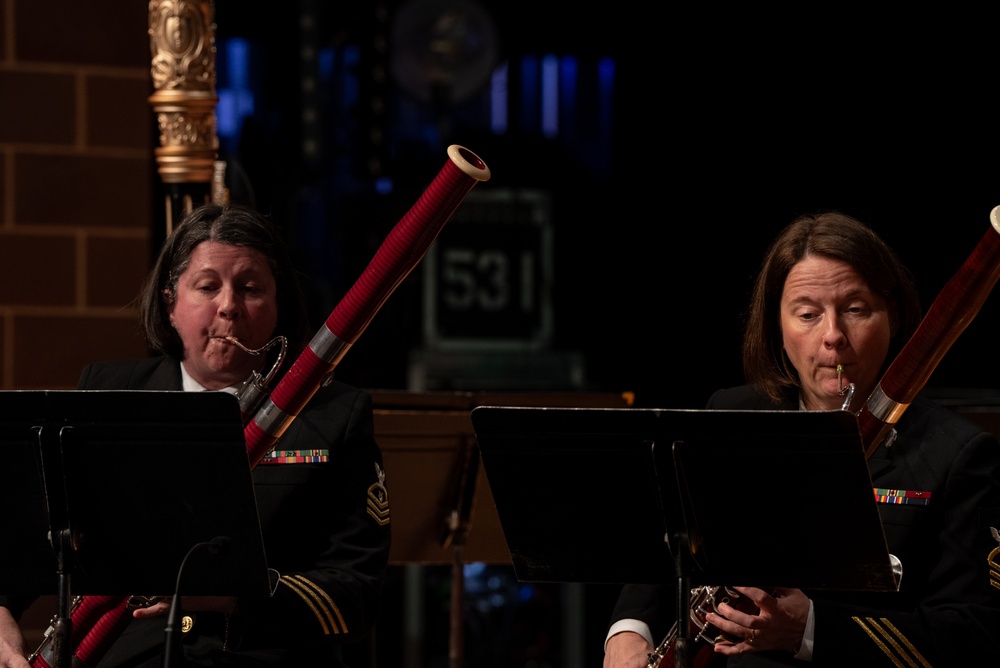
(953, 309)
(96, 622)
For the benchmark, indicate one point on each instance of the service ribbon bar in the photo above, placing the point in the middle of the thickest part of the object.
(902, 496)
(296, 457)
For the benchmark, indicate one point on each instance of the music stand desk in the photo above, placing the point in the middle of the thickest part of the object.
(763, 498)
(137, 478)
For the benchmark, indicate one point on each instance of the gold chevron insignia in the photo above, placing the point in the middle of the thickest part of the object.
(378, 498)
(994, 560)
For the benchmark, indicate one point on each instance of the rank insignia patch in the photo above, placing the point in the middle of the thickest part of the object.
(994, 560)
(378, 498)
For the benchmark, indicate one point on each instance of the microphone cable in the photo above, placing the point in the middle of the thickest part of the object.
(172, 645)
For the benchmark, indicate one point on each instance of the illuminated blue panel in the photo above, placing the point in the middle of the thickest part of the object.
(498, 100)
(236, 100)
(568, 84)
(550, 96)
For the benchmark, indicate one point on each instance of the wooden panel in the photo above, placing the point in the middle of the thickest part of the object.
(438, 492)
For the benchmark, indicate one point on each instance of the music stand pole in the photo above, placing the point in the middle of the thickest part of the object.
(50, 457)
(456, 532)
(682, 649)
(62, 627)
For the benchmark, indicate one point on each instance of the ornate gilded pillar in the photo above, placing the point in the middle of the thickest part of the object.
(182, 41)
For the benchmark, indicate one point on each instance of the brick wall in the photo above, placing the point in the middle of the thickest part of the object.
(77, 182)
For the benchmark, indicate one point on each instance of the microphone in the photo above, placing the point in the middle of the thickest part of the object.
(220, 545)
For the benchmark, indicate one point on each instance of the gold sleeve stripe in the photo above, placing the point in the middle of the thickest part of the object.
(320, 604)
(297, 589)
(892, 636)
(301, 586)
(902, 637)
(878, 642)
(330, 606)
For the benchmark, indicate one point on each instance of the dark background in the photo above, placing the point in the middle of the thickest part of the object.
(727, 124)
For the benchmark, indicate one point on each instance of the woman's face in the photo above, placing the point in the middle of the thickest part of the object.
(830, 317)
(226, 291)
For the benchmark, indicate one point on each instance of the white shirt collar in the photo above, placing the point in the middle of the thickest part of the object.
(191, 385)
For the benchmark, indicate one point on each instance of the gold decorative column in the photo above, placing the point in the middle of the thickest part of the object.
(182, 41)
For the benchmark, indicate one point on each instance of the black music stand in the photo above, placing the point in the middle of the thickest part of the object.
(574, 491)
(113, 488)
(646, 496)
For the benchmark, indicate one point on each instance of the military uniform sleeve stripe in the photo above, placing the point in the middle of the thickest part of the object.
(326, 612)
(332, 610)
(879, 629)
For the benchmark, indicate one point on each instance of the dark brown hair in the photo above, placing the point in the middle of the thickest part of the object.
(840, 237)
(230, 224)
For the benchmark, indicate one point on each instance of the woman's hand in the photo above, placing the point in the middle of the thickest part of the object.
(13, 653)
(778, 625)
(224, 604)
(627, 650)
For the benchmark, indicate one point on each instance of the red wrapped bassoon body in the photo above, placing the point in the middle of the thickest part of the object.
(954, 308)
(405, 246)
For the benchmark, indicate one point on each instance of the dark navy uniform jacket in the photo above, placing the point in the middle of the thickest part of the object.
(947, 610)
